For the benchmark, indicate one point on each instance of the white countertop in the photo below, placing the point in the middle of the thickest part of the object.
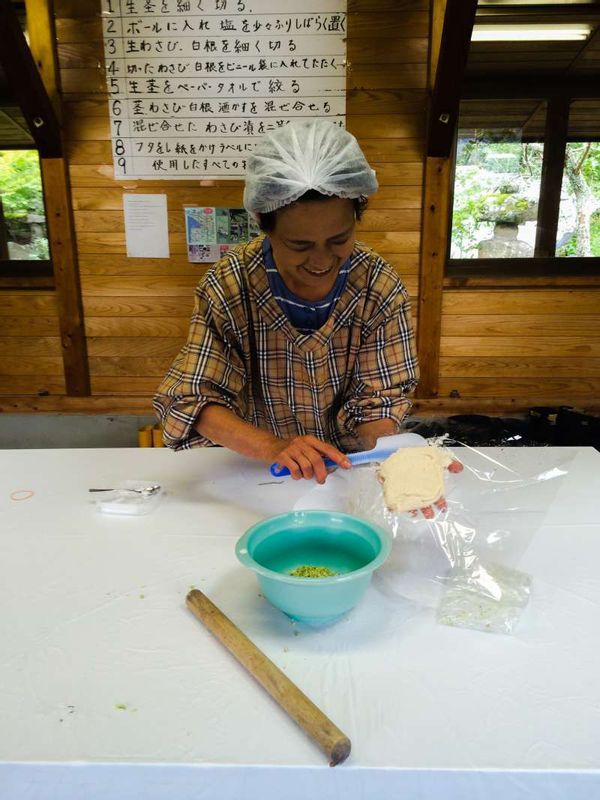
(111, 688)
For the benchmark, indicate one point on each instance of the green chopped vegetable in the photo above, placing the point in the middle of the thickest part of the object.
(308, 571)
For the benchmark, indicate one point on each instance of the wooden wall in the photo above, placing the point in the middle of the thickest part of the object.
(30, 347)
(536, 345)
(522, 346)
(137, 310)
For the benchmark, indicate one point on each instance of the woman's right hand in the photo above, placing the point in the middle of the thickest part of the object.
(303, 456)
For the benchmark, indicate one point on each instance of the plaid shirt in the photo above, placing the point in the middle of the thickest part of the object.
(358, 367)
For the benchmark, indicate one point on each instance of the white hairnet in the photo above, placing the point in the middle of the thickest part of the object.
(301, 156)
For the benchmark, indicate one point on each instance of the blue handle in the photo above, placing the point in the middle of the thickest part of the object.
(282, 472)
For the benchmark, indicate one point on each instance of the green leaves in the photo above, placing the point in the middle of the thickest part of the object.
(21, 184)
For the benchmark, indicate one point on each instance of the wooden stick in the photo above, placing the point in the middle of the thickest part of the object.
(313, 721)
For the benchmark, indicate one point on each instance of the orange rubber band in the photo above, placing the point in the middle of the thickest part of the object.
(26, 494)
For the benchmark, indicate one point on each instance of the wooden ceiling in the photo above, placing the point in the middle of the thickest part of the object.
(14, 132)
(22, 87)
(493, 70)
(534, 70)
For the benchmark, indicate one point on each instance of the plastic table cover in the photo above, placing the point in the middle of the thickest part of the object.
(112, 689)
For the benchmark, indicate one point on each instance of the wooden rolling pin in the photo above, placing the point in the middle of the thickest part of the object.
(314, 722)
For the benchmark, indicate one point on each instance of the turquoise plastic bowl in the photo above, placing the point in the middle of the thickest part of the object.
(348, 545)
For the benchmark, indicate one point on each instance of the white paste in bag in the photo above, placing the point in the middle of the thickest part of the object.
(413, 477)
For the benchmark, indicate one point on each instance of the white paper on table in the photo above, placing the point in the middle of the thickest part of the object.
(146, 225)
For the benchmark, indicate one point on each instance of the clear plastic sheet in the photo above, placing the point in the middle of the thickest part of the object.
(463, 561)
(130, 498)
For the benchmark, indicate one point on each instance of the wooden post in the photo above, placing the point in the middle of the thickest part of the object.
(63, 249)
(451, 26)
(59, 211)
(434, 245)
(555, 146)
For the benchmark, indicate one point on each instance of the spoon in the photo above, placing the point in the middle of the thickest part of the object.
(145, 490)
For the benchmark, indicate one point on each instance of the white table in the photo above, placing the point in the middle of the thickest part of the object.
(111, 689)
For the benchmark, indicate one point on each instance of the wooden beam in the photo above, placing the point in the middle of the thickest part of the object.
(451, 64)
(61, 235)
(19, 268)
(522, 267)
(136, 405)
(59, 404)
(41, 33)
(513, 86)
(434, 246)
(26, 84)
(436, 26)
(555, 145)
(537, 13)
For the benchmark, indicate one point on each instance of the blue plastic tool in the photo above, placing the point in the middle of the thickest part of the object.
(386, 446)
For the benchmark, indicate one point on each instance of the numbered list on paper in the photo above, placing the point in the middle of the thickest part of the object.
(194, 84)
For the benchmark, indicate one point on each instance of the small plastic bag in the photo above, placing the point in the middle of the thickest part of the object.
(129, 498)
(490, 599)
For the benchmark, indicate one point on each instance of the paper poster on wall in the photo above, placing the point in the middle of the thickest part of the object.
(210, 231)
(146, 225)
(194, 84)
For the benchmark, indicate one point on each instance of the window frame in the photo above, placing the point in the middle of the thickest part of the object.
(537, 270)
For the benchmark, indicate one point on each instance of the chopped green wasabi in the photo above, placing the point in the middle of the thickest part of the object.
(308, 571)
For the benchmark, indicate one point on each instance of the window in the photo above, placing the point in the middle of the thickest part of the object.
(496, 195)
(526, 191)
(23, 233)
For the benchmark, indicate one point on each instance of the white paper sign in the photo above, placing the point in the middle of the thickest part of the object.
(193, 84)
(146, 225)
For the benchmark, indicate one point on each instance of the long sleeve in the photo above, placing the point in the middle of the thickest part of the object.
(386, 370)
(208, 369)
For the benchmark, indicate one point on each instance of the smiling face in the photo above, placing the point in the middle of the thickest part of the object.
(310, 241)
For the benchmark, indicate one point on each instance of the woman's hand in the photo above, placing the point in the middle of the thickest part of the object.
(303, 456)
(428, 512)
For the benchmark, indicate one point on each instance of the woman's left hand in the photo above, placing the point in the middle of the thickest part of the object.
(441, 504)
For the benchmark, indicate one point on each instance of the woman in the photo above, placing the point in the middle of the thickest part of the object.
(301, 345)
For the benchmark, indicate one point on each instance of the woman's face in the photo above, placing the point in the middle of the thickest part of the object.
(310, 242)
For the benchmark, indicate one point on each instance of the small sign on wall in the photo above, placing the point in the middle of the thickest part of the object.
(210, 231)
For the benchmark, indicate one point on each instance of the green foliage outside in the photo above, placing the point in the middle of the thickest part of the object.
(583, 162)
(497, 180)
(20, 183)
(22, 197)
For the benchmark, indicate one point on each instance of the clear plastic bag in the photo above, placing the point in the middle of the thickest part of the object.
(489, 599)
(130, 498)
(463, 560)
